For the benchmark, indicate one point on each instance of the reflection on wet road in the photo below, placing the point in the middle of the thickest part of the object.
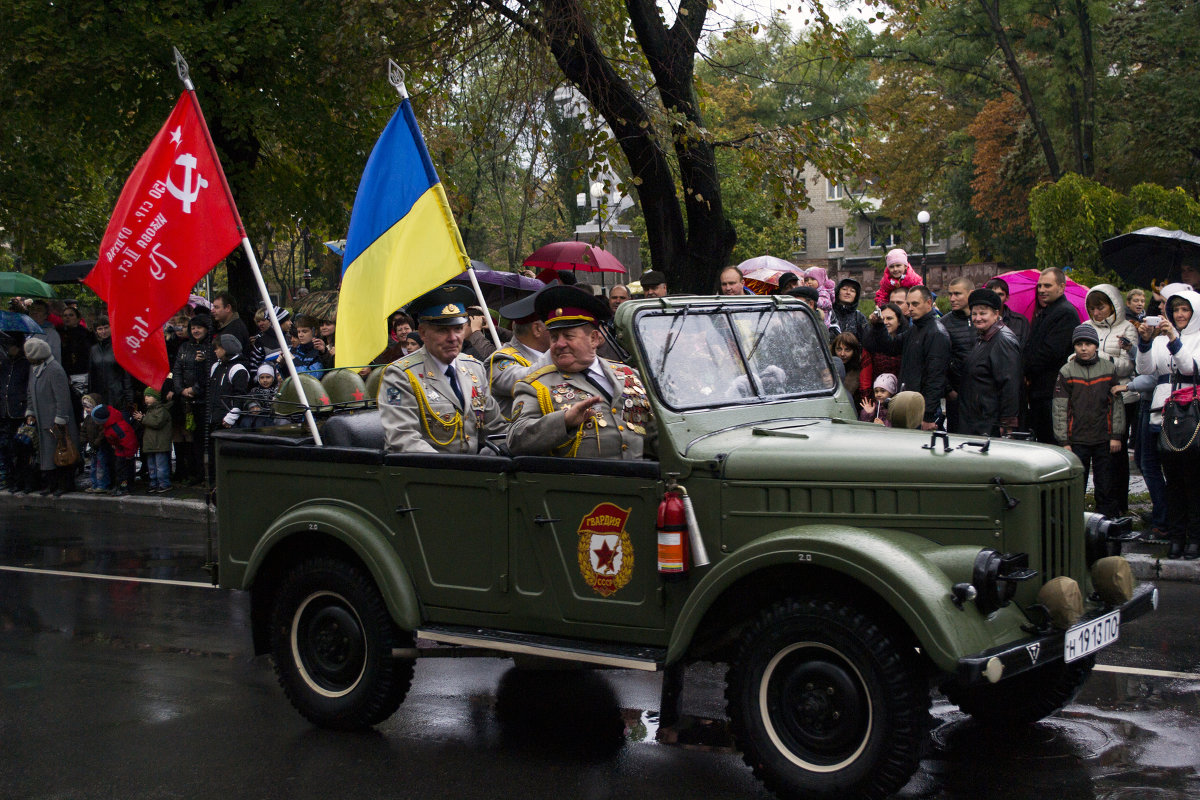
(123, 689)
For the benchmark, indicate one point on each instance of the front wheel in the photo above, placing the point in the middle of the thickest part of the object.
(332, 641)
(825, 704)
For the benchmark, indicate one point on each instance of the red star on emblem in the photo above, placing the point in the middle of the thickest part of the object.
(604, 558)
(323, 400)
(358, 395)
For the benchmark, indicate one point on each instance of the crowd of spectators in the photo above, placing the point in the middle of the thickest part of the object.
(1095, 386)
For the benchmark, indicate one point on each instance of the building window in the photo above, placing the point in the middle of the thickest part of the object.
(837, 238)
(832, 190)
(885, 237)
(801, 243)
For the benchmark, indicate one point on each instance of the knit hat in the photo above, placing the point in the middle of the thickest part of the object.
(101, 413)
(887, 381)
(1085, 333)
(786, 279)
(230, 344)
(896, 256)
(37, 348)
(984, 297)
(152, 392)
(202, 321)
(264, 369)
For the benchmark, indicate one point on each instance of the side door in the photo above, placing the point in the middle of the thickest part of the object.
(584, 546)
(452, 522)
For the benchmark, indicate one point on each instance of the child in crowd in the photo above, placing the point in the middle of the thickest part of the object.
(897, 272)
(260, 406)
(876, 410)
(1088, 421)
(305, 354)
(92, 434)
(156, 439)
(119, 435)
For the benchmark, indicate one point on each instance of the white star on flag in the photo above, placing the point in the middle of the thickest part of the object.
(177, 136)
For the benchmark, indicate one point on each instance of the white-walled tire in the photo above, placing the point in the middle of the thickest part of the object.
(824, 704)
(332, 641)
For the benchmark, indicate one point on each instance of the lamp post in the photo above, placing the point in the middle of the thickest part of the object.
(597, 192)
(923, 220)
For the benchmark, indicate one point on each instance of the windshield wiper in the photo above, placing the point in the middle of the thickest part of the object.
(679, 318)
(758, 341)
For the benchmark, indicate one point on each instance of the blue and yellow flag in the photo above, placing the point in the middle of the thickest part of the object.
(402, 240)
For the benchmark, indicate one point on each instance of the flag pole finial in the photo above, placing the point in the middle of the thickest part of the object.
(396, 78)
(182, 68)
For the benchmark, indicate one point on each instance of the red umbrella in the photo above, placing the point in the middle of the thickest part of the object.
(1022, 293)
(575, 256)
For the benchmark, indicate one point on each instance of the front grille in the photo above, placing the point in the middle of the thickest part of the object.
(1056, 517)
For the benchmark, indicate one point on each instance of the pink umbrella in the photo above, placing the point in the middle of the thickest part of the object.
(768, 262)
(573, 256)
(1022, 293)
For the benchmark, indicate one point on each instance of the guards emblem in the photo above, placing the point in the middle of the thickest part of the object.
(605, 551)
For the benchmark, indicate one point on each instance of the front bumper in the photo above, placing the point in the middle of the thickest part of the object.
(1011, 659)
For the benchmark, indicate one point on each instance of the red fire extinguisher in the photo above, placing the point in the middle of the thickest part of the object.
(672, 536)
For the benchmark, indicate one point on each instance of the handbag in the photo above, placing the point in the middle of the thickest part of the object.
(1181, 418)
(66, 454)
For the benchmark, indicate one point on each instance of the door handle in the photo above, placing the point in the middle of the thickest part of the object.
(540, 520)
(406, 510)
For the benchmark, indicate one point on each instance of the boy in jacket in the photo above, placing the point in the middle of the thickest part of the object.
(123, 440)
(156, 439)
(1088, 420)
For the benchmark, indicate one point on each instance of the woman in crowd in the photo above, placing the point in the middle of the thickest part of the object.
(49, 408)
(1172, 347)
(892, 318)
(190, 374)
(1118, 337)
(859, 375)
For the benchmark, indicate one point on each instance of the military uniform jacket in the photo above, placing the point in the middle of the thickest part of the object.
(623, 429)
(421, 414)
(505, 367)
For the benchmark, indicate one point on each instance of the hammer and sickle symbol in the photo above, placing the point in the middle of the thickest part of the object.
(191, 190)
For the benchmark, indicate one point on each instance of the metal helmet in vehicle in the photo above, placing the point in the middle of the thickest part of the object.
(344, 386)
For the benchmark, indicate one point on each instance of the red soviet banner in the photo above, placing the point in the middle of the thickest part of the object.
(174, 221)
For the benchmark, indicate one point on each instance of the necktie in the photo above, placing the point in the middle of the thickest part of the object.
(450, 376)
(598, 379)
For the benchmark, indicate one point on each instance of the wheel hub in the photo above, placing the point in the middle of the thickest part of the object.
(329, 644)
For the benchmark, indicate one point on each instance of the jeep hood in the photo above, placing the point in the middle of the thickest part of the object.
(840, 451)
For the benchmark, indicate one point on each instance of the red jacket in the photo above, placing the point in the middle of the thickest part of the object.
(886, 285)
(120, 435)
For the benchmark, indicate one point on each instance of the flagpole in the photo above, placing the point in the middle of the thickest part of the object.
(396, 79)
(182, 68)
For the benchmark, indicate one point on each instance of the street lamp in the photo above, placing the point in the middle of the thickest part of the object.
(923, 220)
(597, 192)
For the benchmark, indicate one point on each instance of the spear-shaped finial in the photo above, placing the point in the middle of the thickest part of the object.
(396, 78)
(182, 68)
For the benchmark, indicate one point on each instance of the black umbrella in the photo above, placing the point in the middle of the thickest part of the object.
(69, 273)
(1150, 255)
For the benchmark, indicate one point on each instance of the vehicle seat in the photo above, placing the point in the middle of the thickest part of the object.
(359, 429)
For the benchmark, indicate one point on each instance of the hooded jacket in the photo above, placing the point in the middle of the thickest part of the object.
(1160, 357)
(119, 433)
(1111, 330)
(846, 316)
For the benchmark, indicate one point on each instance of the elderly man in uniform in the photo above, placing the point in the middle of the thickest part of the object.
(435, 399)
(521, 356)
(579, 406)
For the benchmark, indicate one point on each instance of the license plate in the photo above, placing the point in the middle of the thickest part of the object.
(1089, 637)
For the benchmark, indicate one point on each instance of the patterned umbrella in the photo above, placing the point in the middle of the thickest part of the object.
(761, 273)
(574, 256)
(18, 283)
(321, 304)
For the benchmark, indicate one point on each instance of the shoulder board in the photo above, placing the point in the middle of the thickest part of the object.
(537, 373)
(469, 358)
(508, 350)
(410, 360)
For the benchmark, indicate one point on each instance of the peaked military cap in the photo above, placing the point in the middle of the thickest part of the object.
(523, 310)
(570, 306)
(445, 305)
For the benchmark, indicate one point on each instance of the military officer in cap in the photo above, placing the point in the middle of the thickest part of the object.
(524, 353)
(579, 405)
(435, 399)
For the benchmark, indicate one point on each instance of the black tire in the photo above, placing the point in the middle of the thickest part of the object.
(824, 704)
(1025, 698)
(332, 640)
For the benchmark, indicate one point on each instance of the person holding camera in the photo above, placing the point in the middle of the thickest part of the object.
(190, 371)
(1169, 348)
(1106, 310)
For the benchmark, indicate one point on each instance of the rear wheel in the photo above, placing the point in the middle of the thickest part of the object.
(332, 641)
(1026, 698)
(825, 704)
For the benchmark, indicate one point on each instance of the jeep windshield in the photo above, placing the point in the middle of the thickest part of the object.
(731, 354)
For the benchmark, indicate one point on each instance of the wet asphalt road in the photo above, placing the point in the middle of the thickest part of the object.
(148, 690)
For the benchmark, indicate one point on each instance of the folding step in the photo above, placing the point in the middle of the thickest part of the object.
(606, 654)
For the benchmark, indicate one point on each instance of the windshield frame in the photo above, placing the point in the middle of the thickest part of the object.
(728, 310)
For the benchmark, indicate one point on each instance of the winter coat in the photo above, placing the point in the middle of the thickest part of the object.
(1049, 346)
(50, 334)
(1160, 357)
(107, 378)
(1017, 323)
(227, 387)
(963, 338)
(48, 400)
(846, 316)
(14, 384)
(77, 343)
(1110, 330)
(989, 394)
(156, 424)
(236, 328)
(886, 284)
(1085, 411)
(189, 373)
(308, 360)
(119, 434)
(924, 349)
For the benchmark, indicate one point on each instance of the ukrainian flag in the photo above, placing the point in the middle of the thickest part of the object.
(402, 240)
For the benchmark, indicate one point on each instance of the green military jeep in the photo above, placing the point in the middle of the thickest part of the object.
(842, 569)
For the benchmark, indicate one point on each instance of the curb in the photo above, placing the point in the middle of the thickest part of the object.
(1153, 568)
(79, 503)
